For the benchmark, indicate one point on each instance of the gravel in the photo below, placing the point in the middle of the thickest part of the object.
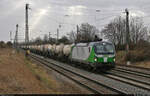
(131, 76)
(140, 70)
(126, 88)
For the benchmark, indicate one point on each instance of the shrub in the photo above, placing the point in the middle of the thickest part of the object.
(140, 53)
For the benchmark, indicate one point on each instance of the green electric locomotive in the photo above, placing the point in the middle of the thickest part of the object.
(95, 54)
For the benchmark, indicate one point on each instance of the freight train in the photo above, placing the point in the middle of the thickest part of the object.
(95, 55)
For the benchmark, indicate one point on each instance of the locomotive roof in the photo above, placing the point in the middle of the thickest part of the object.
(91, 43)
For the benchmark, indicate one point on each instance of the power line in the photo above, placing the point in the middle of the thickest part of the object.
(145, 7)
(107, 17)
(148, 16)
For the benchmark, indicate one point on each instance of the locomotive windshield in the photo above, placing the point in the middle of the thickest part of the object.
(104, 48)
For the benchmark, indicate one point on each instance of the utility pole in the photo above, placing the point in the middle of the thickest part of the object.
(97, 11)
(57, 34)
(16, 36)
(78, 33)
(26, 24)
(49, 36)
(127, 32)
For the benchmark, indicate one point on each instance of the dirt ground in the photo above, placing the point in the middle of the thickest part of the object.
(15, 76)
(21, 75)
(145, 64)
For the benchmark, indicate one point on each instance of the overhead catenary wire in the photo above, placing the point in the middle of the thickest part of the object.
(99, 19)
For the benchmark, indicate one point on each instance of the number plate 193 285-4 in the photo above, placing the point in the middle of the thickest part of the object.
(105, 59)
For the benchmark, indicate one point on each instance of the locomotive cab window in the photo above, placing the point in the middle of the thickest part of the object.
(104, 48)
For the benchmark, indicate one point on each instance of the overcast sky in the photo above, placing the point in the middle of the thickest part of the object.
(46, 15)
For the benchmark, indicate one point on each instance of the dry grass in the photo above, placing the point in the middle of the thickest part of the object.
(120, 57)
(55, 81)
(42, 75)
(137, 58)
(145, 64)
(20, 75)
(16, 77)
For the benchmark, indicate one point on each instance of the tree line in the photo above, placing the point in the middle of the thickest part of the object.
(115, 32)
(5, 44)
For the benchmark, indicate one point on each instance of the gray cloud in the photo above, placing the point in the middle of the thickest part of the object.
(46, 15)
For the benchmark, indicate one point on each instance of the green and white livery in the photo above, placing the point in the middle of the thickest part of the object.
(95, 54)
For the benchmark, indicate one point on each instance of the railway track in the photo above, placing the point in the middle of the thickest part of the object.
(102, 84)
(131, 76)
(90, 84)
(133, 67)
(135, 80)
(134, 70)
(136, 76)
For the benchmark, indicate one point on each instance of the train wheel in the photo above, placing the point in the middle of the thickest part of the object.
(94, 69)
(89, 67)
(113, 65)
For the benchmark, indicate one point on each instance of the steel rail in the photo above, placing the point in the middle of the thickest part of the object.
(130, 76)
(131, 66)
(129, 80)
(133, 72)
(49, 64)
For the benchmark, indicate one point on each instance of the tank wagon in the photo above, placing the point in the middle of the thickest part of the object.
(93, 54)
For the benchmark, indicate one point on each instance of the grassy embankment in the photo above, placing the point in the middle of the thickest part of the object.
(19, 75)
(42, 75)
(139, 55)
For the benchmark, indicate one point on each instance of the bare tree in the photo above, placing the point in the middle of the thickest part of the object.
(38, 40)
(115, 31)
(45, 39)
(137, 30)
(72, 36)
(87, 32)
(64, 39)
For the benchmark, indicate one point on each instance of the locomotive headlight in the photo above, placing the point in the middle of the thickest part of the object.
(95, 59)
(114, 59)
